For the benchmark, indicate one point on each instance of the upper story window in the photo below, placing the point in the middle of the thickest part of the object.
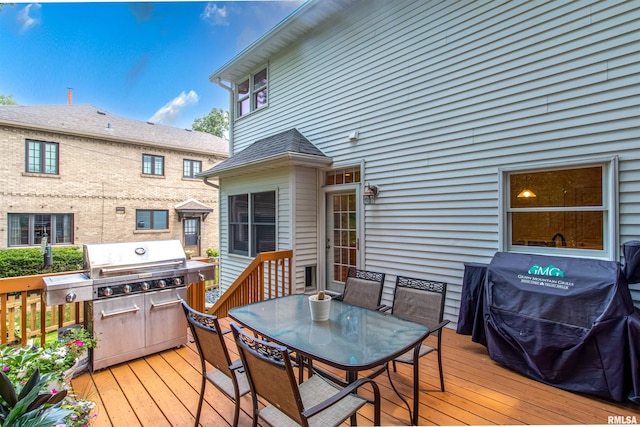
(152, 165)
(252, 226)
(566, 211)
(29, 229)
(190, 168)
(252, 93)
(149, 219)
(41, 157)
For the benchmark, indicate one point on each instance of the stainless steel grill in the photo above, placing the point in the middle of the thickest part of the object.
(132, 293)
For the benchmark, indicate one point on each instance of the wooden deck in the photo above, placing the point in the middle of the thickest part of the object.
(162, 390)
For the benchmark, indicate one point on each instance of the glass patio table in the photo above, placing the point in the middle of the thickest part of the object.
(353, 339)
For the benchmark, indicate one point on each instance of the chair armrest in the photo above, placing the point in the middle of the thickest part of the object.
(236, 364)
(440, 326)
(344, 393)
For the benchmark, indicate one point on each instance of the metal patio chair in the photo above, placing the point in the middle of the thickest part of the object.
(421, 301)
(315, 402)
(363, 288)
(228, 377)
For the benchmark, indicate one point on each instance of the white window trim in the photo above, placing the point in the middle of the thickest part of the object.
(252, 107)
(611, 236)
(250, 231)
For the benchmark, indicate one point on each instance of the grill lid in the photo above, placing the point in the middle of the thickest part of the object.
(117, 259)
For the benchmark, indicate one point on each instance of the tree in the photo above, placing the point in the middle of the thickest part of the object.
(216, 122)
(7, 100)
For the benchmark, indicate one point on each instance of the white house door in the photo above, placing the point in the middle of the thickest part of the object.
(342, 237)
(192, 235)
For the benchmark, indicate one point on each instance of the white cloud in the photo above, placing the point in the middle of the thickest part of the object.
(26, 16)
(169, 112)
(215, 15)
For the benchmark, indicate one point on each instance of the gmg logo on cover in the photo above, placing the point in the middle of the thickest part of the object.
(546, 271)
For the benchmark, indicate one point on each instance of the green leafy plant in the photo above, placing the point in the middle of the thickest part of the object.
(18, 363)
(29, 261)
(30, 407)
(212, 253)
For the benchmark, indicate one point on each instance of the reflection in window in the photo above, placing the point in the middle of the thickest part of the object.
(29, 229)
(152, 165)
(261, 222)
(42, 157)
(343, 176)
(190, 168)
(566, 208)
(152, 219)
(251, 94)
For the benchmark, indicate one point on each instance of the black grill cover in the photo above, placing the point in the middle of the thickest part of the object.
(568, 322)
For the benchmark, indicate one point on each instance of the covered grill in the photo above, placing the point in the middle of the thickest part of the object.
(132, 293)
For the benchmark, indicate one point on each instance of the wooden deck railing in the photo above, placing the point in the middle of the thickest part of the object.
(24, 314)
(272, 267)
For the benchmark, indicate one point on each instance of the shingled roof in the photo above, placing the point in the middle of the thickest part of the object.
(290, 147)
(89, 121)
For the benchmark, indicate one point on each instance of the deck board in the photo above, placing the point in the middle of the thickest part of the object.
(162, 390)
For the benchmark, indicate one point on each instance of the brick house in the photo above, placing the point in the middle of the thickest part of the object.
(83, 175)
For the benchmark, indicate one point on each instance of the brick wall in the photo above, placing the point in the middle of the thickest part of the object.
(97, 176)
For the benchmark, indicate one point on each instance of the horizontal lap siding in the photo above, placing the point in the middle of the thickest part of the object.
(443, 95)
(305, 238)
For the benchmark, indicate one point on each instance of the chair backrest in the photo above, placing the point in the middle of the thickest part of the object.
(419, 300)
(269, 372)
(208, 338)
(363, 288)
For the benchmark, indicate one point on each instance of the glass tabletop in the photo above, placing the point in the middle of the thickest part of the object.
(353, 338)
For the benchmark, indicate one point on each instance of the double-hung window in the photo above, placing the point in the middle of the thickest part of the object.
(565, 211)
(252, 93)
(41, 157)
(152, 165)
(147, 219)
(190, 168)
(252, 223)
(29, 229)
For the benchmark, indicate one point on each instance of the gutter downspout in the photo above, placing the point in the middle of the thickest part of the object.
(232, 114)
(229, 89)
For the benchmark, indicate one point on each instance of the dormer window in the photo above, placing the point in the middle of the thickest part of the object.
(252, 93)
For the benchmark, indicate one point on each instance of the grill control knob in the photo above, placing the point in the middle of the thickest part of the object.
(126, 289)
(162, 283)
(107, 292)
(177, 281)
(70, 297)
(145, 286)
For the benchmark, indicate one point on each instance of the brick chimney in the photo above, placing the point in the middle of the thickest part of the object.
(70, 96)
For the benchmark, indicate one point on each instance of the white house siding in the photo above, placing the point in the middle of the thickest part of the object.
(233, 265)
(305, 222)
(445, 93)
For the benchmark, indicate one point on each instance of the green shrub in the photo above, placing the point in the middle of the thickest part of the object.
(29, 261)
(211, 252)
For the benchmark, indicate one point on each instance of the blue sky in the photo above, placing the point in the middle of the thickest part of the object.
(144, 61)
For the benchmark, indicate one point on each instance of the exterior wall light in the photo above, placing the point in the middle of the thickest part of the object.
(369, 194)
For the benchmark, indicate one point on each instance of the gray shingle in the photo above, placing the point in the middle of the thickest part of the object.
(91, 121)
(291, 141)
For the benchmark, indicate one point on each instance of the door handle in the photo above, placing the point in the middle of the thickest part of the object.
(117, 313)
(162, 304)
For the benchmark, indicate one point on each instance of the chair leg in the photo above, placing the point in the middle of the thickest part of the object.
(204, 384)
(440, 369)
(236, 413)
(394, 365)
